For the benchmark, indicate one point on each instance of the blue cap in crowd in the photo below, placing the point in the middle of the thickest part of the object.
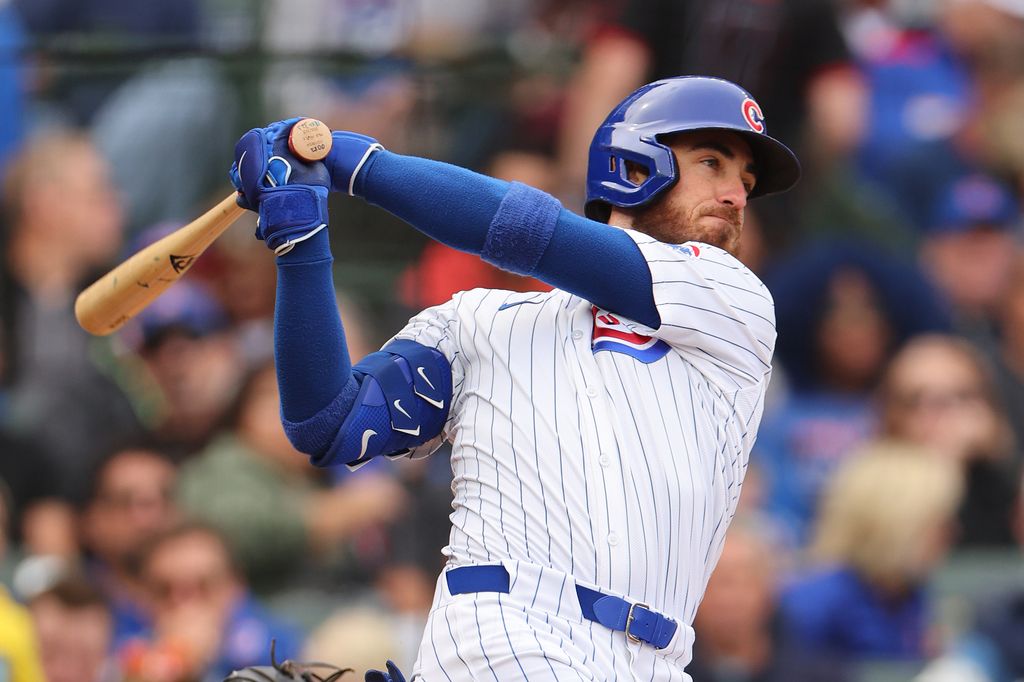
(187, 308)
(974, 200)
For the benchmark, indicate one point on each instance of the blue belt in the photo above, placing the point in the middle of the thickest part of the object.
(637, 620)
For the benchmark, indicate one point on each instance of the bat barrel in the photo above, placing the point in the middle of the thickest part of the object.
(115, 298)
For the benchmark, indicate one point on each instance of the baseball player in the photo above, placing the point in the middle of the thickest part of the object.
(600, 431)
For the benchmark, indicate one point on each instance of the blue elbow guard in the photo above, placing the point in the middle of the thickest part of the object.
(404, 397)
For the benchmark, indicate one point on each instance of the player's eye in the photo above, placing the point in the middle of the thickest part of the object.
(710, 162)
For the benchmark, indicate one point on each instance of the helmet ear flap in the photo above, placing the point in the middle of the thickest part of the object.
(652, 161)
(627, 170)
(635, 172)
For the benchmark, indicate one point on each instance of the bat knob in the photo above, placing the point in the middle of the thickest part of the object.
(309, 140)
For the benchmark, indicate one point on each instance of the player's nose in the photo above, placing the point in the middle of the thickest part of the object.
(733, 192)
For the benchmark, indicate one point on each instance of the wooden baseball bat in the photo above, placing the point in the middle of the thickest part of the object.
(119, 295)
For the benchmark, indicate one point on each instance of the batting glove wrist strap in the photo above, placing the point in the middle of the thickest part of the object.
(291, 214)
(348, 157)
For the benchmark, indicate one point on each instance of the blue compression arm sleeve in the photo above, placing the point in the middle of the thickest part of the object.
(314, 371)
(481, 215)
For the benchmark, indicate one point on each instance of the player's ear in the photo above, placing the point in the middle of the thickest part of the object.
(636, 173)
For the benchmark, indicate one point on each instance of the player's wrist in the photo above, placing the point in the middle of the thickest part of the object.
(316, 248)
(348, 160)
(291, 214)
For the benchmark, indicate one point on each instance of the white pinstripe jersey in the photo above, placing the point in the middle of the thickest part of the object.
(599, 447)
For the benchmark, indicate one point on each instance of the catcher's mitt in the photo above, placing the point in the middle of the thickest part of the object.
(287, 671)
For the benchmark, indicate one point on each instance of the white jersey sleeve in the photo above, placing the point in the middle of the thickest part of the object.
(438, 327)
(713, 309)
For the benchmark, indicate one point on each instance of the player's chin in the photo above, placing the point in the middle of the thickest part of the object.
(719, 232)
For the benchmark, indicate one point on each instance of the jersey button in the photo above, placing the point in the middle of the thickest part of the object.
(592, 391)
(604, 460)
(613, 539)
(577, 334)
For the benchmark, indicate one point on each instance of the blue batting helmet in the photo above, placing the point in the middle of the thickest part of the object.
(672, 105)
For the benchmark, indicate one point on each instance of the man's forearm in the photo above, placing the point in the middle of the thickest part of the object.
(313, 365)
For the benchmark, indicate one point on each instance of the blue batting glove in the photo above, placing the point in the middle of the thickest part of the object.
(392, 675)
(348, 155)
(290, 195)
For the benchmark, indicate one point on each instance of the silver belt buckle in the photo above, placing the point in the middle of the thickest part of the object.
(629, 621)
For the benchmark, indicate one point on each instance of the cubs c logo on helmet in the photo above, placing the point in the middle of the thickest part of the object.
(752, 115)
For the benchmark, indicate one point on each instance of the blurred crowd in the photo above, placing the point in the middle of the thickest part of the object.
(157, 526)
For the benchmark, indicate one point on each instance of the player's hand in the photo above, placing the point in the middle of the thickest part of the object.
(349, 153)
(289, 194)
(392, 675)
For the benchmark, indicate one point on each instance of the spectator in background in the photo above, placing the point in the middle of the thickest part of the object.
(191, 367)
(841, 310)
(737, 625)
(165, 102)
(205, 621)
(939, 393)
(241, 274)
(886, 521)
(19, 652)
(969, 249)
(169, 24)
(992, 649)
(919, 98)
(132, 499)
(75, 630)
(945, 84)
(988, 36)
(377, 93)
(269, 502)
(151, 83)
(360, 637)
(38, 520)
(1008, 355)
(63, 222)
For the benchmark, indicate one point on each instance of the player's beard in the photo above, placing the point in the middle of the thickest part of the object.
(668, 223)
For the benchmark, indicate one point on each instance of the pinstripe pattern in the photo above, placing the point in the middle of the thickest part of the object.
(594, 467)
